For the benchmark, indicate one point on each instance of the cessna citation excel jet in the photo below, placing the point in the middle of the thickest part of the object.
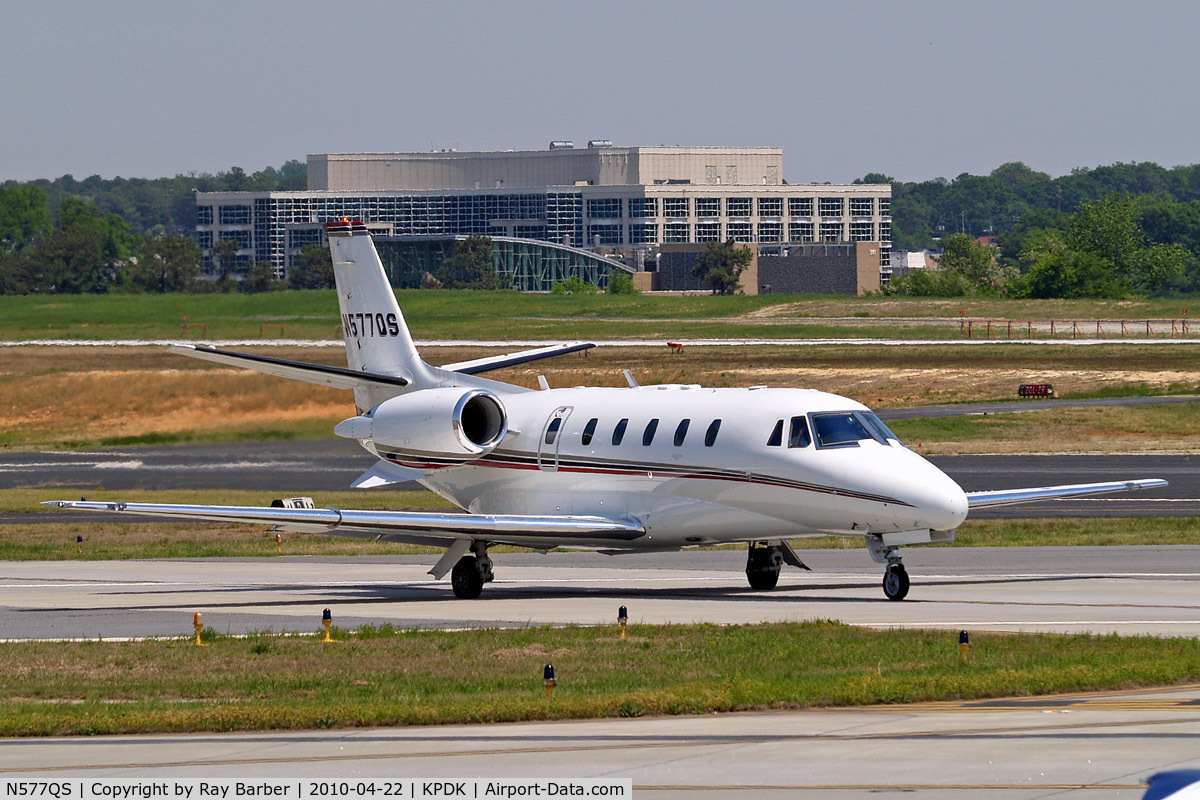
(625, 470)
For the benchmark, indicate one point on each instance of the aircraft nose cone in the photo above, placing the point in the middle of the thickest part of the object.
(937, 502)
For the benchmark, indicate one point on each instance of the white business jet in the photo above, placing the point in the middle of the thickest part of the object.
(624, 470)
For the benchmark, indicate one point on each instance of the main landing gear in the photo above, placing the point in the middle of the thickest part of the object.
(763, 563)
(471, 573)
(895, 578)
(765, 559)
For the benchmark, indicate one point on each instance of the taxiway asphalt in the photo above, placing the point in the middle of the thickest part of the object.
(308, 467)
(1072, 746)
(1128, 590)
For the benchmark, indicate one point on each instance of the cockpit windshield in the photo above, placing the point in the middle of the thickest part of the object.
(876, 423)
(848, 428)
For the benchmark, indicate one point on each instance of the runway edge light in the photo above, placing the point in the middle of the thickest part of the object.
(548, 680)
(327, 620)
(964, 644)
(623, 618)
(198, 624)
(79, 542)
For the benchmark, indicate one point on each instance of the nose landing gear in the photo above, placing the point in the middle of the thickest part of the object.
(895, 578)
(895, 581)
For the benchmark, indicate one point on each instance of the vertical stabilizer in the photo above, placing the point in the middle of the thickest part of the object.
(377, 339)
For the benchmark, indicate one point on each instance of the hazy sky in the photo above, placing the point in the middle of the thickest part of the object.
(916, 90)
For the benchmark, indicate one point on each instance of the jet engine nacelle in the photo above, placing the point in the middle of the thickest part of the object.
(440, 423)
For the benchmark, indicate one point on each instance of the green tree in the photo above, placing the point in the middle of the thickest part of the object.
(721, 264)
(24, 213)
(224, 254)
(260, 277)
(312, 268)
(621, 283)
(471, 266)
(70, 260)
(170, 263)
(1058, 271)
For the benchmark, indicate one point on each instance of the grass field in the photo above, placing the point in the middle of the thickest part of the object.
(487, 315)
(379, 676)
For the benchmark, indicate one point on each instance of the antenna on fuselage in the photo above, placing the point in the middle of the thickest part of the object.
(632, 381)
(542, 382)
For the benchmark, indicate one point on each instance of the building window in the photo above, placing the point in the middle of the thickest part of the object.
(885, 206)
(830, 206)
(800, 206)
(241, 237)
(710, 436)
(643, 233)
(604, 208)
(643, 207)
(204, 239)
(831, 232)
(862, 206)
(885, 231)
(770, 231)
(770, 206)
(676, 232)
(708, 231)
(885, 257)
(588, 431)
(739, 231)
(648, 434)
(681, 432)
(801, 232)
(708, 207)
(675, 207)
(619, 431)
(204, 215)
(234, 215)
(737, 206)
(604, 234)
(302, 237)
(862, 231)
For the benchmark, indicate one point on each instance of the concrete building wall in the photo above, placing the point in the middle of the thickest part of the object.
(676, 262)
(591, 166)
(848, 268)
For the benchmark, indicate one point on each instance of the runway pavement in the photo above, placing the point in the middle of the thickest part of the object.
(1150, 590)
(1075, 746)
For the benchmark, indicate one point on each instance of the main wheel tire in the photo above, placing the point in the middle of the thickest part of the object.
(762, 579)
(895, 583)
(465, 579)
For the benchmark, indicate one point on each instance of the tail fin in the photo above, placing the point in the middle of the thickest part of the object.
(377, 339)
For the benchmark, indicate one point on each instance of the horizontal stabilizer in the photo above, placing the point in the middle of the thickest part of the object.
(416, 526)
(1008, 497)
(513, 359)
(322, 374)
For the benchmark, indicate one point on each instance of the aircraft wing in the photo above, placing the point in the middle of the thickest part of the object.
(512, 359)
(436, 528)
(1008, 497)
(322, 374)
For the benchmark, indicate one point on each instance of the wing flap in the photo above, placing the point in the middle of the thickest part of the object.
(524, 530)
(1007, 497)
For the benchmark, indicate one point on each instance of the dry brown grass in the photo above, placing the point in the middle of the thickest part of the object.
(90, 394)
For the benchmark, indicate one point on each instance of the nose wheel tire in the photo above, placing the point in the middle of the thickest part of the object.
(466, 579)
(895, 582)
(762, 567)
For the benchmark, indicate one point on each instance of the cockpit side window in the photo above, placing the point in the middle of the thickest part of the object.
(839, 429)
(798, 436)
(776, 438)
